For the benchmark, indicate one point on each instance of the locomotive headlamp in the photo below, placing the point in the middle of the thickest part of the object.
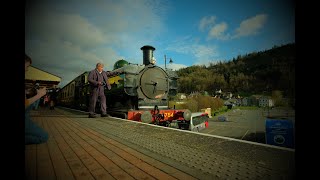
(187, 115)
(153, 60)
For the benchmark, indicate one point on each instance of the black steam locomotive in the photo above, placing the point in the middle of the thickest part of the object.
(139, 92)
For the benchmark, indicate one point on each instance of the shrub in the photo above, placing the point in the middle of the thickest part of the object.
(196, 103)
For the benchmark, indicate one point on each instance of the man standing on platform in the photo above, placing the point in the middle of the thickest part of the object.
(98, 79)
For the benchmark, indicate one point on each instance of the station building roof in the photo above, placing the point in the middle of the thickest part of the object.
(36, 75)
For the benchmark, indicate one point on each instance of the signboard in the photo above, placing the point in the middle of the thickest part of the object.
(280, 132)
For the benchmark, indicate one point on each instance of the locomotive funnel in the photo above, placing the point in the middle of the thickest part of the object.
(147, 54)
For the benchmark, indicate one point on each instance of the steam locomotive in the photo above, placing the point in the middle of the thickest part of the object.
(139, 93)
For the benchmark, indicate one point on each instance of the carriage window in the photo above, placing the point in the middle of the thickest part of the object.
(83, 79)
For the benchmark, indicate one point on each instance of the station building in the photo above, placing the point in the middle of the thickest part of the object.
(45, 79)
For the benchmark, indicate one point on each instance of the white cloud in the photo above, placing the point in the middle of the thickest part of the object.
(251, 26)
(70, 28)
(247, 27)
(204, 52)
(218, 31)
(206, 22)
(190, 46)
(67, 38)
(68, 60)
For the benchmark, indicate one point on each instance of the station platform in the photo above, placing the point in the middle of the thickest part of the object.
(111, 148)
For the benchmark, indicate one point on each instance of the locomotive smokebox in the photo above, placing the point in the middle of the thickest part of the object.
(147, 54)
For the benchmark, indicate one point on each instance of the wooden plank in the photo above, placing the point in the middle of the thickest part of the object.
(119, 161)
(78, 169)
(135, 157)
(60, 164)
(79, 152)
(44, 165)
(112, 168)
(93, 138)
(80, 148)
(30, 161)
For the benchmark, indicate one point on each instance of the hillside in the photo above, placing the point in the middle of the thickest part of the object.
(254, 73)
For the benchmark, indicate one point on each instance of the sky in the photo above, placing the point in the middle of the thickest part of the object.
(67, 38)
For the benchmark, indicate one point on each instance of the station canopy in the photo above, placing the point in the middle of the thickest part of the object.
(45, 79)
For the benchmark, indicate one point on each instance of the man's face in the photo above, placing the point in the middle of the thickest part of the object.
(100, 68)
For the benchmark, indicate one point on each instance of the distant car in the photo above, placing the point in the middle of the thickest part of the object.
(222, 118)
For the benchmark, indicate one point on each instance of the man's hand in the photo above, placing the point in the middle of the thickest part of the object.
(42, 91)
(119, 71)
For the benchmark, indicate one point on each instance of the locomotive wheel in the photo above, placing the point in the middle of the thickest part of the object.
(146, 117)
(167, 124)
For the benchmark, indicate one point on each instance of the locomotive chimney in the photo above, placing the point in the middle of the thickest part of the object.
(147, 54)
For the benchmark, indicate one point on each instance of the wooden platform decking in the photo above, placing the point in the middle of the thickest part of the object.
(75, 151)
(109, 148)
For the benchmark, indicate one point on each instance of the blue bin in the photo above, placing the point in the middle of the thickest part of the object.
(280, 132)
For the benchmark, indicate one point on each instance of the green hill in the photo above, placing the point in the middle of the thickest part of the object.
(254, 73)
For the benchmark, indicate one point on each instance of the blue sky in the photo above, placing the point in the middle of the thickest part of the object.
(67, 38)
